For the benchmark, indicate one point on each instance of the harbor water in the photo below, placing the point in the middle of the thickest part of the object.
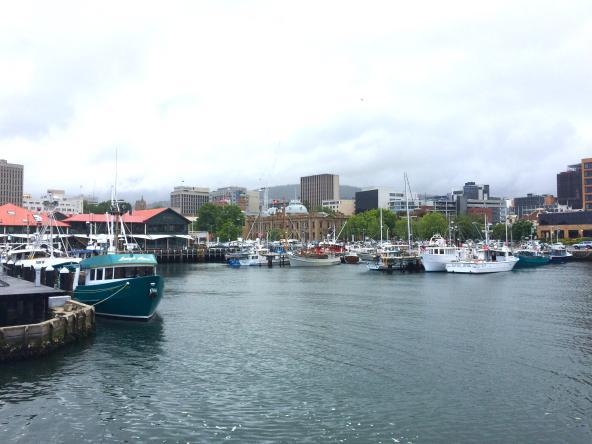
(334, 354)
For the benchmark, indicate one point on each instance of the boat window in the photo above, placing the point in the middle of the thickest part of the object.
(92, 274)
(108, 273)
(99, 274)
(82, 278)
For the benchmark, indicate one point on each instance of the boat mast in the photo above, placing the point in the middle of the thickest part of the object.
(380, 225)
(406, 179)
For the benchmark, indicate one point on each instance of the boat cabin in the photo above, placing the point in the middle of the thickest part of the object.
(114, 267)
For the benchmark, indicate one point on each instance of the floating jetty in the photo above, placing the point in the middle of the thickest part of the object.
(35, 319)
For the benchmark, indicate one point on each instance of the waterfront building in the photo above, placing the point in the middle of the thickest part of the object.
(11, 183)
(346, 207)
(151, 229)
(586, 167)
(295, 223)
(58, 199)
(315, 189)
(373, 198)
(188, 200)
(567, 225)
(569, 187)
(18, 222)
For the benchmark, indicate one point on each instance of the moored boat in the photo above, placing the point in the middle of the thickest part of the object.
(437, 254)
(530, 258)
(313, 258)
(120, 285)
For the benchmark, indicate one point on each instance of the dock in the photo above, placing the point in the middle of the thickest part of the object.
(30, 327)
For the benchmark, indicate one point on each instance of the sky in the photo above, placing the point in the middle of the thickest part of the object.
(259, 93)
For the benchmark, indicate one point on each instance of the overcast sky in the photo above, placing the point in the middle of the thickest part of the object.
(257, 93)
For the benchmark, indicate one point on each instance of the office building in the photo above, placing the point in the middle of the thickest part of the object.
(523, 206)
(11, 183)
(315, 189)
(372, 198)
(587, 184)
(346, 207)
(569, 187)
(55, 200)
(188, 200)
(227, 195)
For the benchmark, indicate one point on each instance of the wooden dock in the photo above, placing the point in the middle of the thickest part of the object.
(190, 255)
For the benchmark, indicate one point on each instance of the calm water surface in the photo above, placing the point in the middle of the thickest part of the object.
(324, 355)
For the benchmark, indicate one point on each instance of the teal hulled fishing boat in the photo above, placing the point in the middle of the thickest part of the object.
(120, 285)
(530, 258)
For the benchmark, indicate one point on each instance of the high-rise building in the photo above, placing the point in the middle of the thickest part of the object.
(587, 184)
(569, 187)
(11, 183)
(188, 200)
(372, 198)
(315, 189)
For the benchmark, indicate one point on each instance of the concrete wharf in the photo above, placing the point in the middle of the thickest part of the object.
(30, 327)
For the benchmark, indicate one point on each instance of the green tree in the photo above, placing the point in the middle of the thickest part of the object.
(103, 207)
(367, 224)
(430, 224)
(275, 234)
(521, 229)
(498, 232)
(321, 209)
(225, 222)
(208, 217)
(469, 226)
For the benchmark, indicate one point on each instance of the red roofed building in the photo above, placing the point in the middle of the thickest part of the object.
(19, 220)
(151, 229)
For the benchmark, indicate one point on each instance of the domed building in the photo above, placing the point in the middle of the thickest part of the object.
(296, 207)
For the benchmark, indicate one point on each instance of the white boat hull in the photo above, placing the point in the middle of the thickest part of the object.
(436, 262)
(300, 261)
(481, 267)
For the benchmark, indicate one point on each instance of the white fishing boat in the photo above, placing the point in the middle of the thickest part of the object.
(484, 260)
(313, 258)
(437, 253)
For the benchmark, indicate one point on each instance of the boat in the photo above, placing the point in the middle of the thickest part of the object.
(393, 257)
(351, 258)
(119, 284)
(558, 254)
(313, 258)
(484, 259)
(437, 253)
(528, 257)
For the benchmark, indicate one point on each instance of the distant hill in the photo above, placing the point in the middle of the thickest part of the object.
(292, 191)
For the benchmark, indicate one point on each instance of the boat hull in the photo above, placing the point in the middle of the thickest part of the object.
(436, 262)
(480, 267)
(531, 261)
(134, 298)
(298, 261)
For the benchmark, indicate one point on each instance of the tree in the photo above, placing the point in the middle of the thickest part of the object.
(367, 224)
(430, 224)
(499, 232)
(225, 222)
(521, 229)
(103, 207)
(321, 209)
(208, 217)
